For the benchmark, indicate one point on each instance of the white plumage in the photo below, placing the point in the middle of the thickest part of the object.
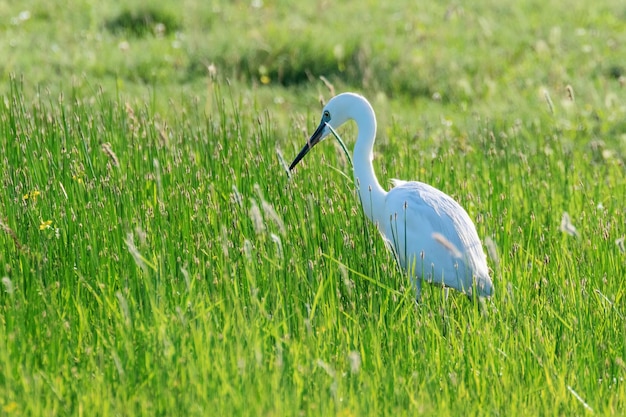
(430, 234)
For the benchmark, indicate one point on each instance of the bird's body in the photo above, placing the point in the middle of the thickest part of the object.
(434, 238)
(430, 234)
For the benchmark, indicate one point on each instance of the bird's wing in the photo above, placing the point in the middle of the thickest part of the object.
(433, 236)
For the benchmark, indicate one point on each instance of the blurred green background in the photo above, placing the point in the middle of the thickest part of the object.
(444, 59)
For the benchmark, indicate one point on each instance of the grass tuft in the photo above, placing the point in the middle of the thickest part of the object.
(142, 22)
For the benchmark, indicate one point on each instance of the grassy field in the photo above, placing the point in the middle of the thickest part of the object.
(156, 259)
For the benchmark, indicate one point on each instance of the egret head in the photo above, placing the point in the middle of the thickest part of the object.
(333, 115)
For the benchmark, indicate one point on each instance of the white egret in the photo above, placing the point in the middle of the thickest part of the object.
(430, 234)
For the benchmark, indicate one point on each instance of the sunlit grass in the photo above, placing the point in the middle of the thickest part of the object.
(157, 267)
(156, 258)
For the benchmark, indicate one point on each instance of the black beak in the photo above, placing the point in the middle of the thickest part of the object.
(313, 140)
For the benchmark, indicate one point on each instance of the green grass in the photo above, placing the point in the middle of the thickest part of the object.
(157, 260)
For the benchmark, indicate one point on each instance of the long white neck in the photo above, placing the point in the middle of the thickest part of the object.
(371, 193)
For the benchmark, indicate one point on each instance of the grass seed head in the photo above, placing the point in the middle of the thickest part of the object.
(247, 249)
(279, 245)
(270, 213)
(354, 358)
(567, 226)
(546, 95)
(570, 93)
(237, 196)
(8, 285)
(256, 217)
(450, 247)
(12, 234)
(108, 151)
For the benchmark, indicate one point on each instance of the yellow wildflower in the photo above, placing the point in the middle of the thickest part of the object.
(32, 195)
(45, 225)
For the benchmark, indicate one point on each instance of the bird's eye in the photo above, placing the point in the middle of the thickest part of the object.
(326, 115)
